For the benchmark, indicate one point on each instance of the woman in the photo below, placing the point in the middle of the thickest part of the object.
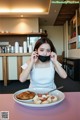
(42, 65)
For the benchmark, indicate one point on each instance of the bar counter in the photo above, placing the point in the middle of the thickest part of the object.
(5, 63)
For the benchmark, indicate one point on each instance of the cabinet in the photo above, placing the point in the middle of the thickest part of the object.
(72, 66)
(10, 66)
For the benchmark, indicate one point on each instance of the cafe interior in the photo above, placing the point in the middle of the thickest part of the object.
(22, 23)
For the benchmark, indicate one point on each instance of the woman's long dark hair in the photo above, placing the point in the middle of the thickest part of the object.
(42, 41)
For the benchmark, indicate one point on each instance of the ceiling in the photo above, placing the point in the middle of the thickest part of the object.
(29, 8)
(60, 13)
(66, 13)
(53, 13)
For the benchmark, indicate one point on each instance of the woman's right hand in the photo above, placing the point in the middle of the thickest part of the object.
(34, 57)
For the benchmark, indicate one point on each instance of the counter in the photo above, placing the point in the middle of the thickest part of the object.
(5, 64)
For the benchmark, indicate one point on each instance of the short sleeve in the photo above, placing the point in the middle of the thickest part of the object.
(59, 63)
(24, 66)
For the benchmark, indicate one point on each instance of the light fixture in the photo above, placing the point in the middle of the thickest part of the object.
(26, 10)
(21, 15)
(35, 10)
(27, 7)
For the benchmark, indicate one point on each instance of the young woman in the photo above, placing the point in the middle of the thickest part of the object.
(42, 65)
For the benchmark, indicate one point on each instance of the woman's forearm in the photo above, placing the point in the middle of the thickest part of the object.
(60, 70)
(25, 73)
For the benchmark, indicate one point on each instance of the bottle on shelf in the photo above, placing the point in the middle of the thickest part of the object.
(16, 47)
(25, 47)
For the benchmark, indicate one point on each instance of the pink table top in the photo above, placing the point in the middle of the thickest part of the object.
(68, 109)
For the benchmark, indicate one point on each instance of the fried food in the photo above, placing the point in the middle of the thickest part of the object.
(25, 95)
(44, 98)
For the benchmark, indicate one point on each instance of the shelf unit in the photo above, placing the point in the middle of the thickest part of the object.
(23, 34)
(74, 41)
(13, 37)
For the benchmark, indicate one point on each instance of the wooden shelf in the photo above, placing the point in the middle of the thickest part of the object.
(20, 37)
(72, 40)
(73, 43)
(23, 34)
(14, 54)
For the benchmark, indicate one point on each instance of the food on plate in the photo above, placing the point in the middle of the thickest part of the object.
(44, 98)
(25, 95)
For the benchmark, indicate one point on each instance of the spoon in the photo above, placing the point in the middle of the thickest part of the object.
(56, 89)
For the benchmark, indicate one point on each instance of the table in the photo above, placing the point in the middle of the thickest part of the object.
(68, 109)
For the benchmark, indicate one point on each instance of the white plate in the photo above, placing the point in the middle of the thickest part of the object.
(60, 95)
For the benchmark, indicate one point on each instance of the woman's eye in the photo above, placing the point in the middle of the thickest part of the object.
(48, 50)
(41, 50)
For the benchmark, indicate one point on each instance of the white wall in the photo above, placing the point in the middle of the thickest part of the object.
(74, 53)
(19, 25)
(55, 33)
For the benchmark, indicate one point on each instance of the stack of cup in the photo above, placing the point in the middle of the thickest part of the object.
(16, 47)
(20, 49)
(25, 47)
(30, 48)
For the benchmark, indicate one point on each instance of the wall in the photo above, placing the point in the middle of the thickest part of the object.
(55, 33)
(74, 53)
(19, 25)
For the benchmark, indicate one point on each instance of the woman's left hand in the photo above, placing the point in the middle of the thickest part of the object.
(53, 57)
(57, 65)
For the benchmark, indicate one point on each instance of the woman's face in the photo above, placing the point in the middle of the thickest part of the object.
(44, 49)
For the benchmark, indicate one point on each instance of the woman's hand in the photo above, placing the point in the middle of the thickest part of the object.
(34, 57)
(53, 57)
(57, 65)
